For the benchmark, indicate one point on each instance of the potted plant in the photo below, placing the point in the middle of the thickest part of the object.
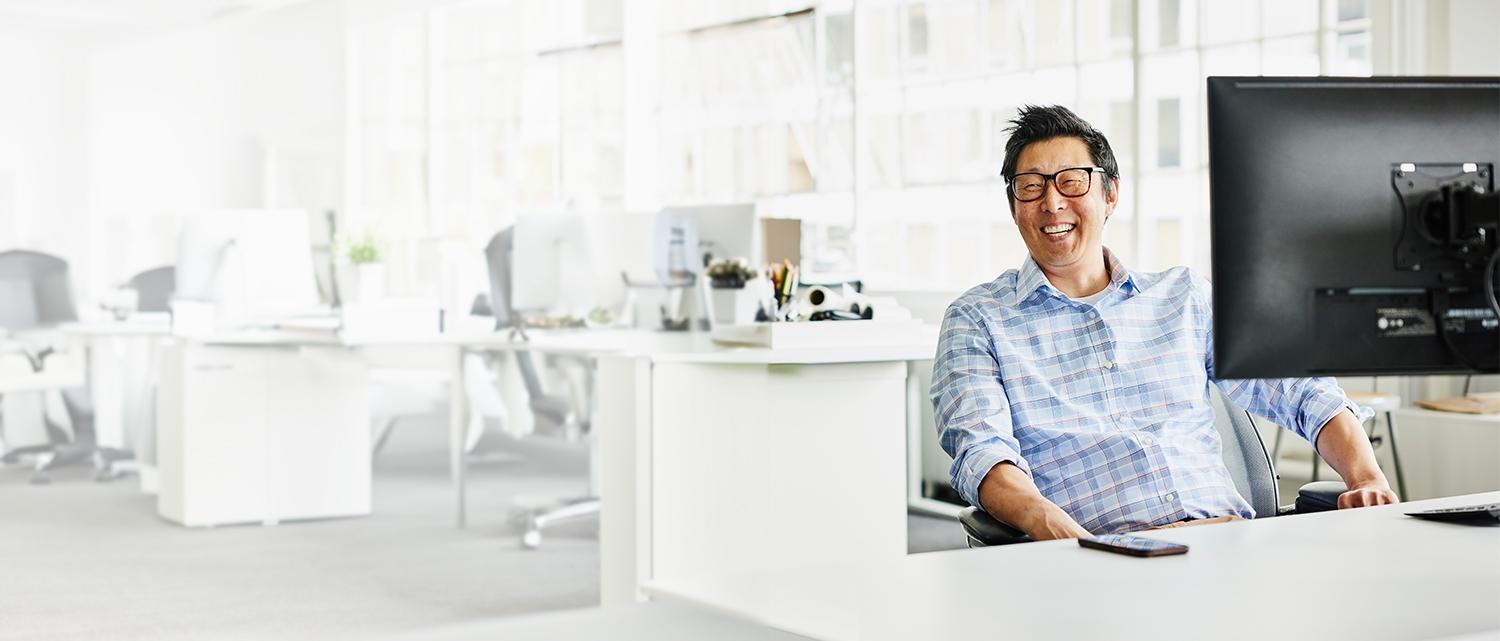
(727, 279)
(365, 274)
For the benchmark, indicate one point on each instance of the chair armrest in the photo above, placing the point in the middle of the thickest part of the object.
(1321, 496)
(985, 530)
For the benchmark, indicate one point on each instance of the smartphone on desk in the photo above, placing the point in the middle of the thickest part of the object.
(1132, 545)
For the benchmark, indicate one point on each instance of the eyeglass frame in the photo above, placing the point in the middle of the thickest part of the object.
(1010, 182)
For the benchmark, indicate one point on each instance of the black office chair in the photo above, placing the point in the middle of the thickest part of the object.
(35, 296)
(1249, 466)
(553, 411)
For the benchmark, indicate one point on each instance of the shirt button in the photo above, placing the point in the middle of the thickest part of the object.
(1093, 314)
(1170, 497)
(1109, 365)
(1146, 440)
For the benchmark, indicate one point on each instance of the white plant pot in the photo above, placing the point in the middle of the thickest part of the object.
(363, 283)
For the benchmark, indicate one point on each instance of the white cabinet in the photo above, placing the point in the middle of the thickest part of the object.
(261, 434)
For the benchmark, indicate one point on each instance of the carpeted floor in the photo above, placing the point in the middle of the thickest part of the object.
(86, 560)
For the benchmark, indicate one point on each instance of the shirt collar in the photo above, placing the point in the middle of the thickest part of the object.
(1032, 285)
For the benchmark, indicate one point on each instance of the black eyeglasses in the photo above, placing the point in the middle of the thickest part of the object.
(1070, 182)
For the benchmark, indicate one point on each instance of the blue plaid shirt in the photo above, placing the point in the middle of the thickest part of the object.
(1105, 406)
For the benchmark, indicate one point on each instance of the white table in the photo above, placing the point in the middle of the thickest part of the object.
(1444, 453)
(1369, 573)
(730, 459)
(685, 427)
(123, 367)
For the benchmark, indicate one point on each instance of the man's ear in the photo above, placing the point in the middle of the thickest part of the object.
(1113, 199)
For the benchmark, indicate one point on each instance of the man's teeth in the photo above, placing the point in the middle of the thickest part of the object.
(1057, 229)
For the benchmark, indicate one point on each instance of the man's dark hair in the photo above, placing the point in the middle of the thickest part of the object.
(1036, 124)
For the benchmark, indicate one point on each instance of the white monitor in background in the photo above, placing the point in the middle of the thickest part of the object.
(572, 263)
(253, 267)
(726, 231)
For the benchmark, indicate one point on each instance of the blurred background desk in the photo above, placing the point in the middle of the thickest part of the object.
(723, 460)
(1448, 453)
(123, 368)
(262, 427)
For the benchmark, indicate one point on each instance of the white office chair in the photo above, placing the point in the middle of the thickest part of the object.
(566, 415)
(35, 296)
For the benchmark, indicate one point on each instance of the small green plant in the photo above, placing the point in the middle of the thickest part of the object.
(361, 250)
(730, 274)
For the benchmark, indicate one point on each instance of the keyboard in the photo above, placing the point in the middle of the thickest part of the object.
(1476, 514)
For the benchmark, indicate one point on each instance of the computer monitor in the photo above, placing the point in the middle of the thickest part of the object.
(568, 263)
(253, 266)
(1351, 221)
(724, 231)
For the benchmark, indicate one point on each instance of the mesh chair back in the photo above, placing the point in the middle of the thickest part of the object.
(34, 290)
(497, 255)
(1245, 455)
(154, 288)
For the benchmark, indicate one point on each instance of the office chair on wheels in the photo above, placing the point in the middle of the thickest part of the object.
(35, 296)
(554, 411)
(1244, 455)
(153, 288)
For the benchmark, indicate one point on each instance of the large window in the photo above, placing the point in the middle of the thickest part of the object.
(879, 123)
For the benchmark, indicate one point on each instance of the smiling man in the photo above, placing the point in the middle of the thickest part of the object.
(1073, 393)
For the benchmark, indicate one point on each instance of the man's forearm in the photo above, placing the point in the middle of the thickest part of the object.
(1342, 442)
(1009, 495)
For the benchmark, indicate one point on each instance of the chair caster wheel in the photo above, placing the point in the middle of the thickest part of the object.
(531, 539)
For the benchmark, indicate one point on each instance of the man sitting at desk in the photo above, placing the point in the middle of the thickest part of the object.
(1073, 393)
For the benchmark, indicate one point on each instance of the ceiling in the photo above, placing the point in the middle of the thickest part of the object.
(112, 18)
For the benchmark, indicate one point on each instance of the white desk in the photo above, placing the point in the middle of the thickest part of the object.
(1370, 573)
(727, 460)
(705, 448)
(123, 366)
(261, 428)
(1446, 453)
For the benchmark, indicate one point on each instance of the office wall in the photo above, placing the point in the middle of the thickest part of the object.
(242, 112)
(1466, 42)
(42, 202)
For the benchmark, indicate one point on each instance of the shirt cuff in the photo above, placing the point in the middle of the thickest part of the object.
(1319, 411)
(977, 463)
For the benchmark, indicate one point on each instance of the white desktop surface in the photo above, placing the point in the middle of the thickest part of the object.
(1369, 573)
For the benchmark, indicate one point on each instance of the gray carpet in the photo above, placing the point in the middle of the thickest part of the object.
(91, 560)
(86, 560)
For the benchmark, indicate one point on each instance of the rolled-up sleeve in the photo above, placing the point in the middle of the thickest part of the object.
(969, 404)
(1302, 405)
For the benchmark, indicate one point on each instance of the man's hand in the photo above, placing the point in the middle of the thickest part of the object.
(1009, 495)
(1366, 495)
(1056, 524)
(1346, 448)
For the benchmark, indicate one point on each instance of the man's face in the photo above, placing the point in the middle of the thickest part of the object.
(1060, 230)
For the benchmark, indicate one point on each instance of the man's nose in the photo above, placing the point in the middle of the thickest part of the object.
(1052, 199)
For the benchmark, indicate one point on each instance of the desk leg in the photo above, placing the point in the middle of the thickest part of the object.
(1390, 429)
(458, 411)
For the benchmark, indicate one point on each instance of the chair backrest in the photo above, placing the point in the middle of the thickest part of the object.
(154, 288)
(1245, 455)
(497, 256)
(34, 290)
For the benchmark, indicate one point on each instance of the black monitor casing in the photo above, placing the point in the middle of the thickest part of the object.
(1306, 223)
